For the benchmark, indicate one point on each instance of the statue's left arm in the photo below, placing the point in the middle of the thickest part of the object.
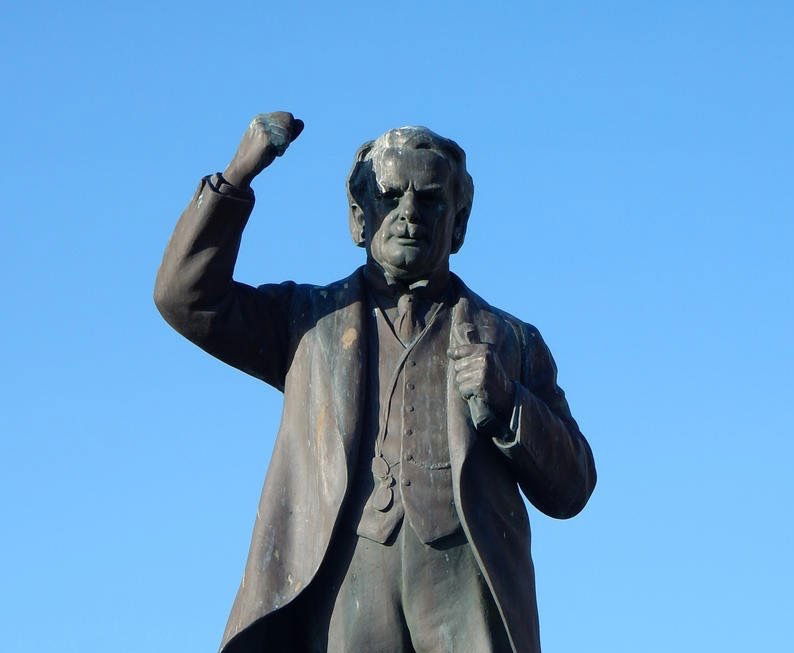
(552, 460)
(532, 424)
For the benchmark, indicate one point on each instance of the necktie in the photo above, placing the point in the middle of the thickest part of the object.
(406, 322)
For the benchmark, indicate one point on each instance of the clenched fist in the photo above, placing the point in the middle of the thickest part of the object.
(479, 375)
(268, 136)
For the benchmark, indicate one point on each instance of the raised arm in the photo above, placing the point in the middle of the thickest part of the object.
(244, 326)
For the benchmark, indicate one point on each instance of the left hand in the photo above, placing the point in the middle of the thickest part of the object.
(479, 373)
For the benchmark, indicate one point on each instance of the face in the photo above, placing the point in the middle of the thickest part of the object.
(408, 224)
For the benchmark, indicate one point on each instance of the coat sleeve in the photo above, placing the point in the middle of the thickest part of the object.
(241, 325)
(548, 453)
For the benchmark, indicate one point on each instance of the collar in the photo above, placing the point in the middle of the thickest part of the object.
(387, 287)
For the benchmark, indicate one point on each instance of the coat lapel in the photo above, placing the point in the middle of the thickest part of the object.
(463, 437)
(469, 309)
(342, 339)
(460, 430)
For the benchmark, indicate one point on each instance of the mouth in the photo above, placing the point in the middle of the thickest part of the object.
(408, 241)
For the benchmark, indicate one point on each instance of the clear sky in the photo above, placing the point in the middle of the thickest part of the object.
(634, 200)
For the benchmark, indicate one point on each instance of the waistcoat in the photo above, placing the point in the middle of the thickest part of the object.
(407, 407)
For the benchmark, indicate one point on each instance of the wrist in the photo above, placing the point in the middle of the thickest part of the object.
(233, 176)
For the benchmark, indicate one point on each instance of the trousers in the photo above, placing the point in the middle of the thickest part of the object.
(403, 596)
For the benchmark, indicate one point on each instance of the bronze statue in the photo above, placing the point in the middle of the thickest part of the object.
(391, 518)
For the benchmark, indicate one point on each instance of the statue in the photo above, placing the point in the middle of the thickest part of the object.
(391, 518)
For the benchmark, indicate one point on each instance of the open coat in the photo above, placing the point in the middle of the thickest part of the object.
(309, 342)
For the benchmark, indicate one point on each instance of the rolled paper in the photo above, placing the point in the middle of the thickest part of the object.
(481, 416)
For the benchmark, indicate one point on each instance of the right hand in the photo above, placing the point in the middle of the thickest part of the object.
(268, 136)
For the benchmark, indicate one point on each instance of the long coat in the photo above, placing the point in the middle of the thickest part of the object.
(309, 342)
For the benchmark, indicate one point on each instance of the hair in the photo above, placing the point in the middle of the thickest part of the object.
(360, 182)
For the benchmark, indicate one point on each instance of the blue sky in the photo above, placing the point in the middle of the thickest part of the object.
(634, 200)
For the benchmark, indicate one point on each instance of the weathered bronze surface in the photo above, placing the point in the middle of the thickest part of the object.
(391, 518)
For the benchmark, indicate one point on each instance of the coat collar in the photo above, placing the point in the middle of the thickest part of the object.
(382, 285)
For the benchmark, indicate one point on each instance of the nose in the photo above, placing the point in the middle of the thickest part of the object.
(407, 209)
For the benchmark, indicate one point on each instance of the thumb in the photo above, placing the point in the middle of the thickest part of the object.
(296, 128)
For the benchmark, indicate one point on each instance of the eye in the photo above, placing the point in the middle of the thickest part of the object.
(388, 195)
(435, 198)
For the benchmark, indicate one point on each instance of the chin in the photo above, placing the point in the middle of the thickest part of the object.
(406, 270)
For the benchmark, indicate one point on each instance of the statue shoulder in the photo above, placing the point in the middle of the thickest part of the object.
(304, 304)
(339, 293)
(303, 293)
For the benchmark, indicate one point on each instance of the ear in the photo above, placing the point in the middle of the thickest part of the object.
(355, 214)
(459, 230)
(356, 220)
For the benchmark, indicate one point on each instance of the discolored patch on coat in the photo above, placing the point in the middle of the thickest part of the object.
(349, 337)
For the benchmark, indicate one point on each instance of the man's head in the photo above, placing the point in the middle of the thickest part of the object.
(410, 198)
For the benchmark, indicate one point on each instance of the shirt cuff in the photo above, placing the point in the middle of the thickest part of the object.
(223, 187)
(511, 437)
